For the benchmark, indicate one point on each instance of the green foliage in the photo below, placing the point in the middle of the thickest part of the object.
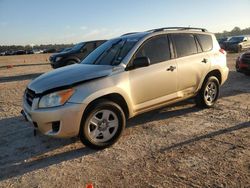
(36, 47)
(234, 32)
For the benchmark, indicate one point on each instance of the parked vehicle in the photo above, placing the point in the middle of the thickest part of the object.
(237, 43)
(2, 53)
(10, 52)
(243, 63)
(221, 41)
(20, 52)
(37, 51)
(29, 52)
(75, 54)
(51, 50)
(124, 77)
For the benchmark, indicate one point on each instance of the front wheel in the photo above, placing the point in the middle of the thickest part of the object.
(102, 125)
(209, 93)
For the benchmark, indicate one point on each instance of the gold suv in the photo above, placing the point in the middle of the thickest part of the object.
(124, 77)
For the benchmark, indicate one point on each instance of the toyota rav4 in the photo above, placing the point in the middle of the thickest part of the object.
(124, 77)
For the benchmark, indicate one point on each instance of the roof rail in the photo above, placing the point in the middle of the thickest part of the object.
(129, 33)
(177, 28)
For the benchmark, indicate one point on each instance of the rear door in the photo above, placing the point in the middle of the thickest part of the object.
(192, 60)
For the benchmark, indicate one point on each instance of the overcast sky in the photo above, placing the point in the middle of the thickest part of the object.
(70, 21)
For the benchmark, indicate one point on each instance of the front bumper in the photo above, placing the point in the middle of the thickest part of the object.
(244, 68)
(67, 116)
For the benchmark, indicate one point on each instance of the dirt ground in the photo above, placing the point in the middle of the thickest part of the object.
(177, 146)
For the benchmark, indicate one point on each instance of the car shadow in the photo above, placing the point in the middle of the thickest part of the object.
(21, 152)
(174, 110)
(213, 134)
(19, 77)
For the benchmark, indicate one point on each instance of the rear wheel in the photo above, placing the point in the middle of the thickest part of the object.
(209, 93)
(102, 125)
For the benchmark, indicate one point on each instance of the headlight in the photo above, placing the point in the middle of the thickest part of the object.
(58, 59)
(56, 99)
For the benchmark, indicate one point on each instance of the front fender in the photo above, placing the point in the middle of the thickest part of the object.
(90, 91)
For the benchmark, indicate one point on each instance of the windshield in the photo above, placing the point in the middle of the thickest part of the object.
(236, 39)
(78, 46)
(111, 52)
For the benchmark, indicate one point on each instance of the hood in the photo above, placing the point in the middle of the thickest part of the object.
(68, 76)
(61, 54)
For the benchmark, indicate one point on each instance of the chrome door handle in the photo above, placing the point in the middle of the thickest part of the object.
(171, 68)
(204, 60)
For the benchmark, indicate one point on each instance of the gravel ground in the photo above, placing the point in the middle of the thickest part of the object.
(177, 146)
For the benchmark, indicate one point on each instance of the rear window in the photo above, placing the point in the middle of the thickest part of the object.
(206, 42)
(185, 44)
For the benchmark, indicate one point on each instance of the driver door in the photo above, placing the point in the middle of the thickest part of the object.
(157, 83)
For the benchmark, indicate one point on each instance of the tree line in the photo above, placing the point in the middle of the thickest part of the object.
(234, 32)
(4, 48)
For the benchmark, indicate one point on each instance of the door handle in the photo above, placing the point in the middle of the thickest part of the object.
(171, 68)
(204, 60)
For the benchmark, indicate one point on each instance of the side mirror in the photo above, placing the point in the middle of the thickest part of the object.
(244, 40)
(141, 62)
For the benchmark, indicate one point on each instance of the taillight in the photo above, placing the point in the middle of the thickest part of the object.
(222, 51)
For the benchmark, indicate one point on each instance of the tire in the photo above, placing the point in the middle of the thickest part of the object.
(99, 132)
(208, 93)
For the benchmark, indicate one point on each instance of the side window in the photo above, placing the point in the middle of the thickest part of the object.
(88, 47)
(206, 42)
(185, 44)
(156, 49)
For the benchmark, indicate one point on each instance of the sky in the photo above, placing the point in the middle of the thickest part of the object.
(31, 22)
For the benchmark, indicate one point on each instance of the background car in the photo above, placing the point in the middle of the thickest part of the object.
(243, 63)
(51, 50)
(20, 52)
(237, 43)
(221, 41)
(75, 54)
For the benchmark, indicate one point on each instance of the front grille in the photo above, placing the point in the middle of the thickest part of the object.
(29, 96)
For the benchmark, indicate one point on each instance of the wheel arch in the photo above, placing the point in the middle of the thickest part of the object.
(114, 97)
(216, 73)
